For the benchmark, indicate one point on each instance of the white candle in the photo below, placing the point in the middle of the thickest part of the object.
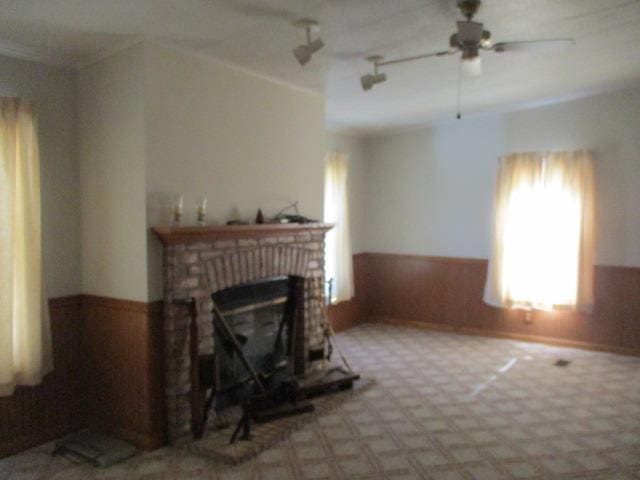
(201, 211)
(177, 208)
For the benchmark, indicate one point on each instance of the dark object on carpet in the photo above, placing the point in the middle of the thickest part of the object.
(329, 381)
(561, 362)
(94, 448)
(215, 443)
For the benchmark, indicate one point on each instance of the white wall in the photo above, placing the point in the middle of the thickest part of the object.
(430, 191)
(112, 177)
(243, 141)
(356, 184)
(54, 91)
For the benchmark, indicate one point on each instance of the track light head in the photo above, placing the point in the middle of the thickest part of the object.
(304, 52)
(371, 79)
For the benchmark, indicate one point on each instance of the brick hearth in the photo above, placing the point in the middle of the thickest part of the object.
(199, 261)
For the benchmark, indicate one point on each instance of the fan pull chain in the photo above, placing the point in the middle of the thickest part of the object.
(459, 115)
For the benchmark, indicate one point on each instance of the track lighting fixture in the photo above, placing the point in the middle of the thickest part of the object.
(371, 79)
(304, 52)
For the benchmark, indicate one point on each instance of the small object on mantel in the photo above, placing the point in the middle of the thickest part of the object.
(202, 211)
(259, 217)
(237, 222)
(292, 218)
(177, 210)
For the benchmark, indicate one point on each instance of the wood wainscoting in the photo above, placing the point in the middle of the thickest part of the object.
(122, 340)
(350, 313)
(446, 293)
(34, 415)
(107, 374)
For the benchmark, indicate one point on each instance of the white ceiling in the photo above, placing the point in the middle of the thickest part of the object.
(257, 35)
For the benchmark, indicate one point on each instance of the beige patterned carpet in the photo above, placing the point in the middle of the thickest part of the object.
(445, 406)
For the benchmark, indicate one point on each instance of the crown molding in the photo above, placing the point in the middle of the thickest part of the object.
(35, 54)
(109, 51)
(50, 57)
(232, 66)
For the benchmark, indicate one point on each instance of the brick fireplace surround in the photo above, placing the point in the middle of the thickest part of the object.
(199, 261)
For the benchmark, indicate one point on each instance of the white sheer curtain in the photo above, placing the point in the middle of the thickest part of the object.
(25, 342)
(338, 258)
(543, 240)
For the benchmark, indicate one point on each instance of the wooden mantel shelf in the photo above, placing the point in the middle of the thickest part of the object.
(170, 235)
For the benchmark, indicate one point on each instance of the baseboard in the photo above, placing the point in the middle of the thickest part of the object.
(507, 335)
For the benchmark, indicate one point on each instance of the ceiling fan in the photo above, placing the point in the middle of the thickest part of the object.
(469, 40)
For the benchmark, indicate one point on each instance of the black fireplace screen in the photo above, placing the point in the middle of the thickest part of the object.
(260, 316)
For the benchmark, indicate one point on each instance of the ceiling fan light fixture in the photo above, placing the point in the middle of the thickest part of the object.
(471, 63)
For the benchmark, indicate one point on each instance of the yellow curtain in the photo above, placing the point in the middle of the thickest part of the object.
(25, 343)
(543, 240)
(338, 259)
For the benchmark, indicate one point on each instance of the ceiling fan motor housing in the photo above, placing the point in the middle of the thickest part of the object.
(470, 36)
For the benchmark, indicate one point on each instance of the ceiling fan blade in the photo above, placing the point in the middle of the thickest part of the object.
(416, 57)
(532, 45)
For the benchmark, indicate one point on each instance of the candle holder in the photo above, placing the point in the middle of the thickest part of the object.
(201, 212)
(177, 210)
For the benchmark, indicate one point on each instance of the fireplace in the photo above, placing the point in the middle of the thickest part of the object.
(225, 263)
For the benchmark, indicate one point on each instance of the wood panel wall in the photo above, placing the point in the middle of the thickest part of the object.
(107, 374)
(446, 293)
(350, 313)
(34, 415)
(123, 344)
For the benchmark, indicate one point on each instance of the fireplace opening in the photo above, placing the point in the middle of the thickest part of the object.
(261, 316)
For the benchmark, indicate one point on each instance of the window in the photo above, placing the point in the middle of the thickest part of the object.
(543, 242)
(338, 263)
(25, 348)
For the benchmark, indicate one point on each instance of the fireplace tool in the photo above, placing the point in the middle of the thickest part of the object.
(334, 378)
(265, 398)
